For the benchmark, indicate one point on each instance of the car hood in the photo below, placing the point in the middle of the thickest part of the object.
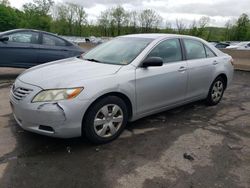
(66, 73)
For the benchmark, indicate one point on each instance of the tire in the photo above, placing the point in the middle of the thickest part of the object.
(105, 120)
(216, 91)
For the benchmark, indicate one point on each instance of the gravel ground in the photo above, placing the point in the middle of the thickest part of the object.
(150, 153)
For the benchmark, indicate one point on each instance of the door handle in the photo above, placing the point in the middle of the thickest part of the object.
(215, 63)
(182, 69)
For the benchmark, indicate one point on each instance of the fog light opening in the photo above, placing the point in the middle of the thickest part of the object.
(46, 128)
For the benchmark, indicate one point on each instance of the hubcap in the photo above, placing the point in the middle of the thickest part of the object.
(217, 91)
(108, 120)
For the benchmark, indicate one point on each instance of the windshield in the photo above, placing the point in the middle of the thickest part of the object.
(120, 51)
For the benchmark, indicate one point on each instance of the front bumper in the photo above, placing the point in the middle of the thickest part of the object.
(63, 118)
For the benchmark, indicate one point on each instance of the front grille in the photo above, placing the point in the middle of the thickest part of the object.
(20, 92)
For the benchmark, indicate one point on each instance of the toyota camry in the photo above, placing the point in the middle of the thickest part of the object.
(122, 80)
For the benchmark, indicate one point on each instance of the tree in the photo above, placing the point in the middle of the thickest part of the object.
(229, 30)
(41, 7)
(81, 18)
(71, 9)
(193, 28)
(202, 24)
(133, 21)
(181, 27)
(149, 19)
(104, 22)
(168, 27)
(37, 14)
(242, 26)
(60, 19)
(119, 17)
(69, 19)
(8, 18)
(5, 3)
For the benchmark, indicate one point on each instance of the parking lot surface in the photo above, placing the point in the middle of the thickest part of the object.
(150, 153)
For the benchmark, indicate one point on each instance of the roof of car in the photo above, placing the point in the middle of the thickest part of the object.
(16, 30)
(34, 30)
(155, 35)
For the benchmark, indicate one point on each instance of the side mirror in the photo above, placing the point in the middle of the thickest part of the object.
(152, 62)
(4, 39)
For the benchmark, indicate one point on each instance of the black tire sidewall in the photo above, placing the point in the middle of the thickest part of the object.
(88, 122)
(209, 99)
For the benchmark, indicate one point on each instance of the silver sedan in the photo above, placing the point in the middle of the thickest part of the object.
(122, 80)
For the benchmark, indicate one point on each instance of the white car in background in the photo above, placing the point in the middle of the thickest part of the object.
(240, 46)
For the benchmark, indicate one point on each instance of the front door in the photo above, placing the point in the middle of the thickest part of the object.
(21, 50)
(159, 87)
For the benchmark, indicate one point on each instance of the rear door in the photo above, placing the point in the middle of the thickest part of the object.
(53, 48)
(21, 50)
(201, 65)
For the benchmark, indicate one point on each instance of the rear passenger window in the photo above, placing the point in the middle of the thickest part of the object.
(50, 40)
(169, 51)
(209, 52)
(194, 49)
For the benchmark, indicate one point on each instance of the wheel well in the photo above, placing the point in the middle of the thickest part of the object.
(117, 94)
(224, 77)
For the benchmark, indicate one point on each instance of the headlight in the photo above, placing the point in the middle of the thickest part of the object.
(57, 94)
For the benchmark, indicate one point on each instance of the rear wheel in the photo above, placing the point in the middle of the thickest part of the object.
(216, 91)
(105, 120)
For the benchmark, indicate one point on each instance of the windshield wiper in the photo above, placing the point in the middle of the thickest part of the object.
(93, 60)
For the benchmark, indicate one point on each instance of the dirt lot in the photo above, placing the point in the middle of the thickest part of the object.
(148, 154)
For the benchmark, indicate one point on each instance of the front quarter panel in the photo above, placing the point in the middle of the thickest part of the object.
(122, 82)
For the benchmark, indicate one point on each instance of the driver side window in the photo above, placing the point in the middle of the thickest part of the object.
(169, 50)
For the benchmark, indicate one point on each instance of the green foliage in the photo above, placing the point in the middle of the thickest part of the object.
(118, 21)
(149, 20)
(71, 19)
(5, 3)
(215, 34)
(8, 18)
(242, 27)
(119, 17)
(36, 15)
(40, 7)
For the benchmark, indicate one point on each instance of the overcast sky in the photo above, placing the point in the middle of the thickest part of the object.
(218, 10)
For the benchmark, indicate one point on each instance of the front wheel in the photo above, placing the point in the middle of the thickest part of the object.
(105, 120)
(216, 91)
